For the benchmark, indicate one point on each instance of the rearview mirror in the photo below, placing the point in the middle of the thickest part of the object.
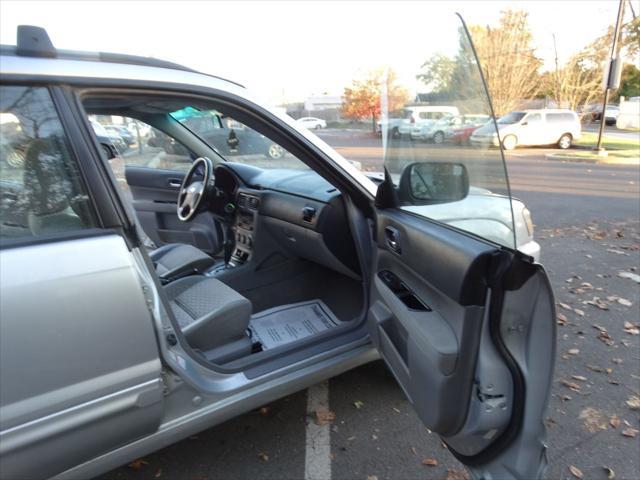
(428, 183)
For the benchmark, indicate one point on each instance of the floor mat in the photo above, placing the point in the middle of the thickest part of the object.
(287, 323)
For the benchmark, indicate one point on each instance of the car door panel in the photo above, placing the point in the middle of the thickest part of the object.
(155, 192)
(444, 271)
(458, 347)
(85, 375)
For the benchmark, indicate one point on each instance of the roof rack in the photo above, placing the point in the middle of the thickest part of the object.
(34, 41)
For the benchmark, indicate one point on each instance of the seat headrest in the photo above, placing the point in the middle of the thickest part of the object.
(45, 179)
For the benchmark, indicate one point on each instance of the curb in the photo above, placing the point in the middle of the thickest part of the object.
(603, 160)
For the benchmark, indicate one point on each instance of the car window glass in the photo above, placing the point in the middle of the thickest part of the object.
(534, 118)
(42, 190)
(460, 183)
(133, 142)
(235, 141)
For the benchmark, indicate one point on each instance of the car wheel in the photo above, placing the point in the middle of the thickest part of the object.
(14, 159)
(565, 141)
(395, 133)
(318, 126)
(107, 151)
(509, 142)
(438, 138)
(275, 151)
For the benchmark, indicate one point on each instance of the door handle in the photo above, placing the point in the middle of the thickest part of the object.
(174, 183)
(392, 236)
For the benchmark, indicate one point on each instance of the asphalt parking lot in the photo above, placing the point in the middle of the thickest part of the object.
(587, 223)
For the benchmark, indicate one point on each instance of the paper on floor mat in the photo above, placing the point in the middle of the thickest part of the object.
(288, 323)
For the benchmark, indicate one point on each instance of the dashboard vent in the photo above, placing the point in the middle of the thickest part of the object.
(248, 202)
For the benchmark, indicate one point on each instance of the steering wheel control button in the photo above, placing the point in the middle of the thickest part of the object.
(229, 208)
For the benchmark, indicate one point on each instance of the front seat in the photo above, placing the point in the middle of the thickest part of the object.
(212, 316)
(176, 260)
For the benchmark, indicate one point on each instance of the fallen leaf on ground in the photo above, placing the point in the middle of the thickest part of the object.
(562, 319)
(631, 328)
(413, 450)
(617, 361)
(358, 404)
(605, 337)
(565, 306)
(579, 378)
(593, 420)
(324, 417)
(455, 474)
(579, 312)
(575, 471)
(573, 351)
(610, 473)
(263, 456)
(625, 302)
(372, 477)
(158, 473)
(630, 432)
(634, 402)
(573, 386)
(631, 276)
(264, 411)
(614, 421)
(597, 302)
(137, 464)
(430, 462)
(396, 410)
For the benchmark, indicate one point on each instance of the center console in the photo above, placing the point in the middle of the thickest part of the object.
(244, 227)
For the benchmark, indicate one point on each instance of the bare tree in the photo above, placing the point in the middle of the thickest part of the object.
(508, 60)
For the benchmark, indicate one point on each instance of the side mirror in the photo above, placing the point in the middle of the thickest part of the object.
(429, 183)
(524, 123)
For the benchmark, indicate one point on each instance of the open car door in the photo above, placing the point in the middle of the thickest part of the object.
(464, 321)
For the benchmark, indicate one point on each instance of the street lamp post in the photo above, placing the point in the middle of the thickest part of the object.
(614, 55)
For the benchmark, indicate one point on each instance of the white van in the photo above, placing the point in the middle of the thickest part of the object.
(414, 116)
(532, 127)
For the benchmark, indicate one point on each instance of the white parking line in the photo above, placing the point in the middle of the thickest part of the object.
(317, 461)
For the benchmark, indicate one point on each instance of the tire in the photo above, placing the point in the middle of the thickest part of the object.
(318, 126)
(275, 151)
(509, 142)
(14, 159)
(564, 142)
(438, 138)
(107, 151)
(395, 133)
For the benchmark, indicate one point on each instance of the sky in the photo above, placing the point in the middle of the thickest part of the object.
(286, 50)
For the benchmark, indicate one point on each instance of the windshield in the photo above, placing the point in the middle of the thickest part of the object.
(235, 141)
(509, 118)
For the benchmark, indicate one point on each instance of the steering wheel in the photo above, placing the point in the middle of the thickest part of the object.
(194, 187)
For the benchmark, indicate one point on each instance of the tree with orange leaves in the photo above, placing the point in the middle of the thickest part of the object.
(362, 98)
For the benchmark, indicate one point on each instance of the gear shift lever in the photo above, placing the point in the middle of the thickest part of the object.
(229, 244)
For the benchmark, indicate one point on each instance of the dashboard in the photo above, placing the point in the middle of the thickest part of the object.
(302, 212)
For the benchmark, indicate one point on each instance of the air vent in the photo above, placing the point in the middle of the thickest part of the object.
(248, 202)
(253, 203)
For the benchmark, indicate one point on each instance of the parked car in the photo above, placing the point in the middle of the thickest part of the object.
(226, 135)
(122, 132)
(112, 145)
(312, 123)
(531, 127)
(266, 278)
(593, 113)
(410, 117)
(441, 130)
(462, 133)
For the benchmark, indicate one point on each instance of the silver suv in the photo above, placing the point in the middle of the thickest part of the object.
(152, 293)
